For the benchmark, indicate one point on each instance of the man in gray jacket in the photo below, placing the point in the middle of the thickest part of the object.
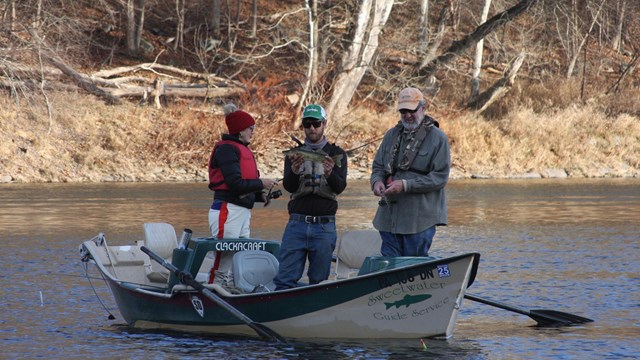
(409, 174)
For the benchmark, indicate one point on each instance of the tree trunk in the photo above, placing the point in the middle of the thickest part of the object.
(324, 42)
(312, 69)
(314, 41)
(372, 17)
(81, 80)
(423, 39)
(626, 73)
(237, 14)
(254, 27)
(38, 20)
(459, 46)
(477, 60)
(616, 43)
(135, 24)
(432, 48)
(499, 89)
(13, 18)
(180, 28)
(576, 54)
(131, 28)
(215, 17)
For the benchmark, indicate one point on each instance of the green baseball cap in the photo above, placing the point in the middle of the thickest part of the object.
(314, 111)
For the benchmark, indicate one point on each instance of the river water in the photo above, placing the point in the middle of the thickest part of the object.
(567, 245)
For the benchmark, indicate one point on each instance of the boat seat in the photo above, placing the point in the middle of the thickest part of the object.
(254, 270)
(352, 248)
(161, 239)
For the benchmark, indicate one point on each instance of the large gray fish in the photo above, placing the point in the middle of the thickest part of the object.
(313, 156)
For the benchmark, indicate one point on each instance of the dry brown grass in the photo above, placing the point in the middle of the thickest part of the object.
(580, 140)
(86, 140)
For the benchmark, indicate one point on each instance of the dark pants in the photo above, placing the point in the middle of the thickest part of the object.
(301, 241)
(407, 244)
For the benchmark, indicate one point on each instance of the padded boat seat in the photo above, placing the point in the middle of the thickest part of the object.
(352, 248)
(161, 239)
(254, 270)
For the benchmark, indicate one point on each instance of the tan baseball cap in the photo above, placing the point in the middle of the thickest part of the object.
(409, 98)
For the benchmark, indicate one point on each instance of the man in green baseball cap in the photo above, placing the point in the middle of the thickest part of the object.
(314, 112)
(314, 187)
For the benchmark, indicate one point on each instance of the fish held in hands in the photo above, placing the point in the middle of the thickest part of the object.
(313, 155)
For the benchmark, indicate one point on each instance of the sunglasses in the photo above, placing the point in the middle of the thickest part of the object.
(407, 111)
(308, 124)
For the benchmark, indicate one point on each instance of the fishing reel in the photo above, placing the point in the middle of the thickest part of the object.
(274, 194)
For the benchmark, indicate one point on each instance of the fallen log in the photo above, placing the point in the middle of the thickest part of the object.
(174, 90)
(154, 67)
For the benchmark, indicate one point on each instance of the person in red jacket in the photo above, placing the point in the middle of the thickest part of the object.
(234, 178)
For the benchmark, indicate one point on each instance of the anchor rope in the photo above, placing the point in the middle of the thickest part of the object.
(86, 271)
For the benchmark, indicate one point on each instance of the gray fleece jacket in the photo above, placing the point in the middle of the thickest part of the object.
(423, 203)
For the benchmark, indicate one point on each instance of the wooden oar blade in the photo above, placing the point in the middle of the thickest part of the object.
(266, 333)
(554, 318)
(542, 317)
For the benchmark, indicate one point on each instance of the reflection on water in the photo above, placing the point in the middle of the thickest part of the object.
(567, 245)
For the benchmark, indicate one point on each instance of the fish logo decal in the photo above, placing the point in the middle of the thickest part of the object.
(407, 300)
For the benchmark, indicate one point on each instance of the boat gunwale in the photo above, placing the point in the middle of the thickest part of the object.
(165, 292)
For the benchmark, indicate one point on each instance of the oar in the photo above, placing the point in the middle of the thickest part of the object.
(186, 278)
(542, 317)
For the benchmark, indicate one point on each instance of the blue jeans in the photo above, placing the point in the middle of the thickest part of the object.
(407, 244)
(299, 242)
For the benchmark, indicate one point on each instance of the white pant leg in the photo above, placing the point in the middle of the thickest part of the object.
(232, 220)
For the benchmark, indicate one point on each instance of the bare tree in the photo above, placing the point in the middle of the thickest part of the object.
(477, 60)
(215, 16)
(314, 35)
(432, 47)
(238, 14)
(38, 18)
(621, 7)
(135, 23)
(423, 39)
(372, 17)
(312, 68)
(489, 26)
(180, 28)
(12, 15)
(499, 88)
(254, 26)
(573, 52)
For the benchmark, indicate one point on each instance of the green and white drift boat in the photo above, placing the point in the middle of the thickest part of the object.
(367, 296)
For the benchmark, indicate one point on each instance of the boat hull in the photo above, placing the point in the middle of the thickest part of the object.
(418, 300)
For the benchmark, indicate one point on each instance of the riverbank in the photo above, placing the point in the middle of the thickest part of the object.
(94, 142)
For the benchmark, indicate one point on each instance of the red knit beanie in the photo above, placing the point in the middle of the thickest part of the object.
(238, 121)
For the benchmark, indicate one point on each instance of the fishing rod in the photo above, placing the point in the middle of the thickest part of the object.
(292, 137)
(348, 152)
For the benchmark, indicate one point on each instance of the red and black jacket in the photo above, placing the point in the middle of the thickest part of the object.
(233, 173)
